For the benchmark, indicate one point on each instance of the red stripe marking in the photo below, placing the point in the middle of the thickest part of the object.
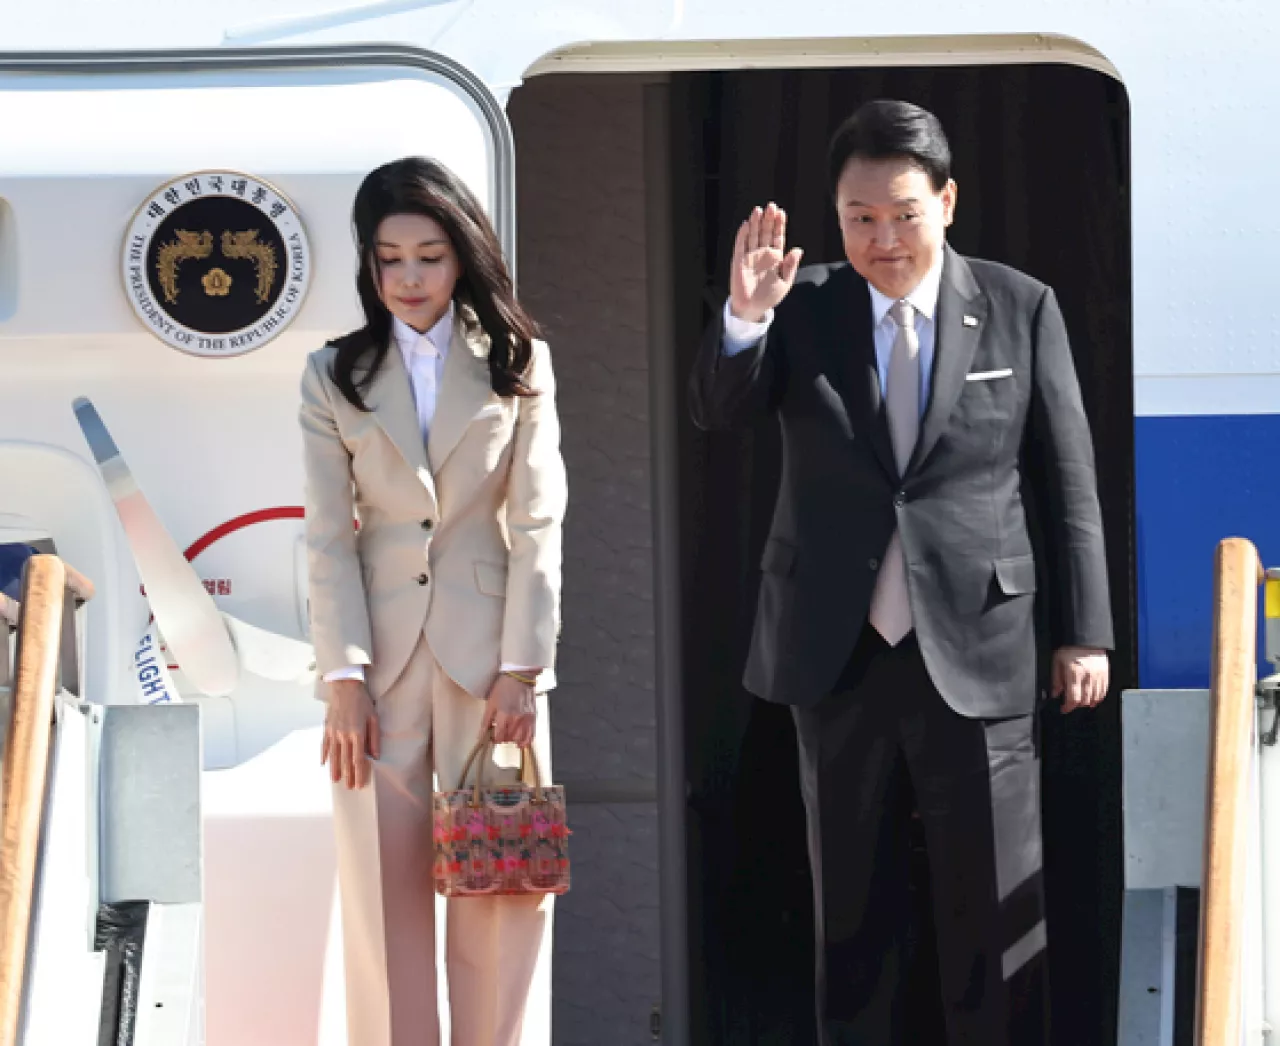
(263, 515)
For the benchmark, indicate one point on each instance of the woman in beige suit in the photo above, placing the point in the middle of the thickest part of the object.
(435, 497)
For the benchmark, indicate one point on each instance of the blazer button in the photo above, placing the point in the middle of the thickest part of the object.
(873, 563)
(427, 524)
(422, 579)
(900, 499)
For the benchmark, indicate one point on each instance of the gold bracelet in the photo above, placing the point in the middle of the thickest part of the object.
(526, 680)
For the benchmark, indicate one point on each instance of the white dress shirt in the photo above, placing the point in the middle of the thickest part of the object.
(424, 356)
(741, 334)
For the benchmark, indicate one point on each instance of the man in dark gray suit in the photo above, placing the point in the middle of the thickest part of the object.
(924, 399)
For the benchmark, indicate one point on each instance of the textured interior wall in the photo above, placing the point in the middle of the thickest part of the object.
(581, 222)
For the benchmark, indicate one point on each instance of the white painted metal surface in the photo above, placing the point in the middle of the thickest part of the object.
(1166, 749)
(50, 491)
(1255, 1022)
(67, 903)
(169, 990)
(1166, 761)
(1198, 86)
(214, 445)
(1269, 871)
(79, 150)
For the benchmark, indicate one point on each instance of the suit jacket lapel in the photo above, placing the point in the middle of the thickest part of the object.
(851, 328)
(961, 318)
(390, 397)
(465, 388)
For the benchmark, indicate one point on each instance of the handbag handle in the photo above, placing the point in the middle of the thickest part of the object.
(528, 762)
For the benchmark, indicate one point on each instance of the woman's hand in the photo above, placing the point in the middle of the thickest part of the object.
(511, 711)
(351, 735)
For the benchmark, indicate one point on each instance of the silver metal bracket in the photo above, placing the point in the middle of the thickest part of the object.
(1268, 695)
(1268, 689)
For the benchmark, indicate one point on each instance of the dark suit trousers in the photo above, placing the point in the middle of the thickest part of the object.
(885, 742)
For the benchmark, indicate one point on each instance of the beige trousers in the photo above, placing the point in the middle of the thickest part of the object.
(384, 845)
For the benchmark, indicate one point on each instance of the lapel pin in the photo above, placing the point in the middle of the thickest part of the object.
(971, 321)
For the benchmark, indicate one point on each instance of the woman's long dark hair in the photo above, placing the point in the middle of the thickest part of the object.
(416, 185)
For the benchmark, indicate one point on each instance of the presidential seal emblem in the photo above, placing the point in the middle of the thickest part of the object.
(216, 263)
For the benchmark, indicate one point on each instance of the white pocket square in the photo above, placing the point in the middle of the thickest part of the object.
(989, 375)
(488, 411)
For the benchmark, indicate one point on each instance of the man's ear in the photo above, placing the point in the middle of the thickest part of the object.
(950, 192)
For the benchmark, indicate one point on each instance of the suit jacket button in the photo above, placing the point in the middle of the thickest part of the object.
(900, 499)
(427, 524)
(873, 563)
(422, 579)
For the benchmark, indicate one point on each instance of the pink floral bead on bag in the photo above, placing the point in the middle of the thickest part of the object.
(506, 839)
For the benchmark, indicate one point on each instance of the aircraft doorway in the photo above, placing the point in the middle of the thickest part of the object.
(608, 208)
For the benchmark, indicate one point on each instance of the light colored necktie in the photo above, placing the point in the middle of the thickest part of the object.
(890, 603)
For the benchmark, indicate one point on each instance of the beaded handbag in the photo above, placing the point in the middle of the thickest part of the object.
(503, 839)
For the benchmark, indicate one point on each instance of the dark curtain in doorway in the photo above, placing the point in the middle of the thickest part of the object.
(1041, 158)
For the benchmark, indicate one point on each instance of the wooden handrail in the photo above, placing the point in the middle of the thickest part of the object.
(1219, 991)
(26, 763)
(79, 586)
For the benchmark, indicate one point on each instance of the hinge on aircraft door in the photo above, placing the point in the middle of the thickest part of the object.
(1269, 688)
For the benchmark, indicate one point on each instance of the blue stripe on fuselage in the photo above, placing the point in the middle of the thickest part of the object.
(1199, 479)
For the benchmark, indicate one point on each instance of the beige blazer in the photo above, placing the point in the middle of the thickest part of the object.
(461, 537)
